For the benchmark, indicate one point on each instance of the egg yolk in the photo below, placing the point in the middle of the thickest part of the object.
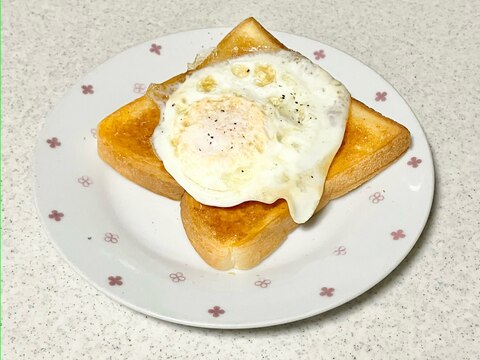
(224, 133)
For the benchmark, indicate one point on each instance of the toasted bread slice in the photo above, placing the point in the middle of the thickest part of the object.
(241, 236)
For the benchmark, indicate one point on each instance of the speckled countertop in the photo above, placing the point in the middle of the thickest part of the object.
(427, 308)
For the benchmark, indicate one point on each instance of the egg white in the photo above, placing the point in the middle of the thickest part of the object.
(260, 127)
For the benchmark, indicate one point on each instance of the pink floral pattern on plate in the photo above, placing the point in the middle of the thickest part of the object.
(326, 291)
(155, 49)
(85, 181)
(376, 197)
(53, 142)
(399, 234)
(381, 96)
(56, 215)
(216, 311)
(341, 250)
(115, 280)
(319, 54)
(177, 277)
(111, 238)
(414, 162)
(263, 283)
(139, 88)
(87, 89)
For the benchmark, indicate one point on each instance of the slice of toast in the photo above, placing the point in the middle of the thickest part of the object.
(241, 236)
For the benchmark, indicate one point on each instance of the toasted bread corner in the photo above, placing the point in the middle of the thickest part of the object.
(123, 142)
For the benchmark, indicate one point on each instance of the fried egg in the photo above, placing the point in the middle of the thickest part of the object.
(259, 127)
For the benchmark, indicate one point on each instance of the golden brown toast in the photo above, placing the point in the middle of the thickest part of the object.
(241, 236)
(124, 143)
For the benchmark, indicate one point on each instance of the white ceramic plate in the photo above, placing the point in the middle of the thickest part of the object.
(130, 243)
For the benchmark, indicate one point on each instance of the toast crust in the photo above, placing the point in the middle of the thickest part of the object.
(241, 236)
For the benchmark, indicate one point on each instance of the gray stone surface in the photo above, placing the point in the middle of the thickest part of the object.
(428, 308)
